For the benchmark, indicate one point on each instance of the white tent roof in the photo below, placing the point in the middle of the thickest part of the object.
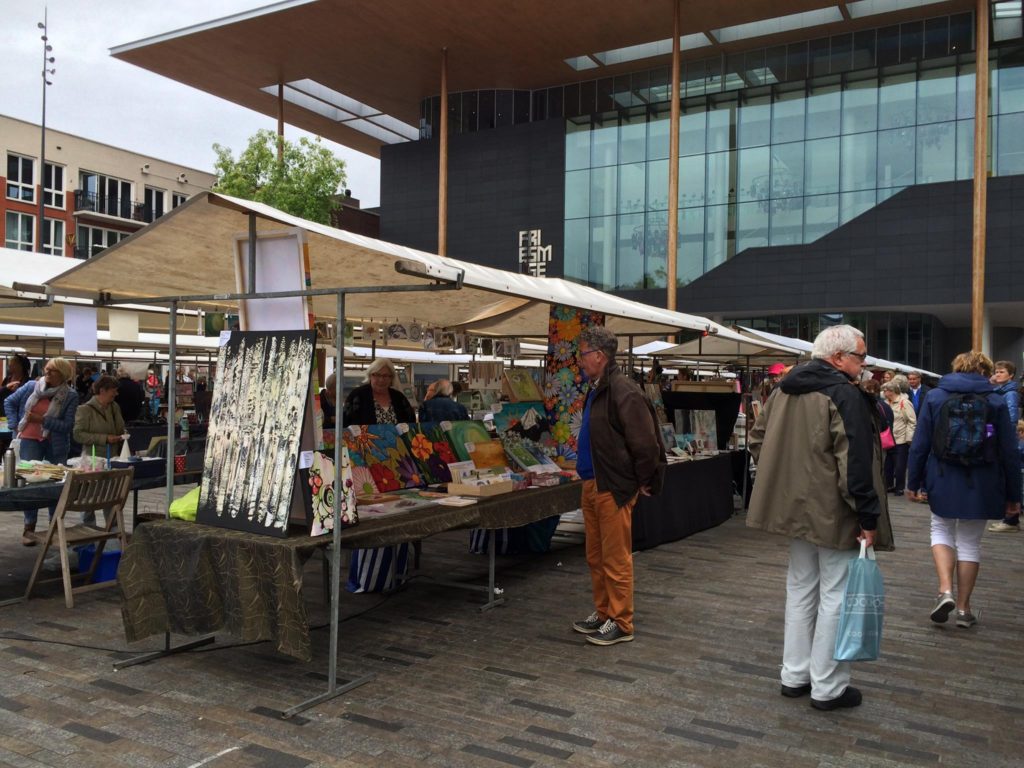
(189, 252)
(806, 346)
(726, 345)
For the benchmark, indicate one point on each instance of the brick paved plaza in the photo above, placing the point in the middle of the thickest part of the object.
(515, 686)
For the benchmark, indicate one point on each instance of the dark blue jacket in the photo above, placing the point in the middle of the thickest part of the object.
(1012, 397)
(973, 493)
(442, 408)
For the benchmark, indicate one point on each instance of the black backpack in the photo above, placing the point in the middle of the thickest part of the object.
(963, 432)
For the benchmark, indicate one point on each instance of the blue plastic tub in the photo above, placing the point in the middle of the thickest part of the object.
(106, 570)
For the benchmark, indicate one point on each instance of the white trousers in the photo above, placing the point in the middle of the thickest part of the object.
(815, 585)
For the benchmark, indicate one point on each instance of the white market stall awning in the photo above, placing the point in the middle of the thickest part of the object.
(724, 345)
(189, 252)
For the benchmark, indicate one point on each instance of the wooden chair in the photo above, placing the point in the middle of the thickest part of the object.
(84, 492)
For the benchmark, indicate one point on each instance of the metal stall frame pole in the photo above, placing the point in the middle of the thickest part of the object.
(333, 689)
(171, 404)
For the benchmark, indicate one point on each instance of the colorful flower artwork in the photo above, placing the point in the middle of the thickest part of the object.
(429, 447)
(379, 448)
(321, 487)
(565, 388)
(459, 433)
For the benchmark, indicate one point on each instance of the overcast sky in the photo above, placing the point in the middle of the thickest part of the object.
(101, 98)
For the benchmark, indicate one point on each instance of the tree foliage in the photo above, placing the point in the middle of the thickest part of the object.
(303, 184)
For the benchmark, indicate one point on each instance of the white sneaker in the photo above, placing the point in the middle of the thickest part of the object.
(1000, 527)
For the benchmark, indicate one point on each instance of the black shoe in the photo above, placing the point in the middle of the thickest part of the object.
(590, 625)
(796, 691)
(897, 493)
(849, 698)
(609, 634)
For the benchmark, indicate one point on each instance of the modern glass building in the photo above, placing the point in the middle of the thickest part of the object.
(826, 149)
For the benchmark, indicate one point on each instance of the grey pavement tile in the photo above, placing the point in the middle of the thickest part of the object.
(605, 675)
(275, 714)
(698, 736)
(498, 756)
(273, 758)
(570, 738)
(533, 746)
(511, 673)
(543, 708)
(95, 734)
(372, 722)
(110, 685)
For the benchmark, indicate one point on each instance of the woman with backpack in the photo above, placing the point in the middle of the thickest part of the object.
(966, 441)
(904, 423)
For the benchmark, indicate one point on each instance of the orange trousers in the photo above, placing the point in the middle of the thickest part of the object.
(609, 532)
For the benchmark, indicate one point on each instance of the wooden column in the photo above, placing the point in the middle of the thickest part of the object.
(673, 166)
(280, 122)
(981, 22)
(442, 163)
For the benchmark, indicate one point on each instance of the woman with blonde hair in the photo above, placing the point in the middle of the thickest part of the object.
(43, 413)
(376, 401)
(970, 479)
(904, 423)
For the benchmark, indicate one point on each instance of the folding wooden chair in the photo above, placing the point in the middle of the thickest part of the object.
(84, 492)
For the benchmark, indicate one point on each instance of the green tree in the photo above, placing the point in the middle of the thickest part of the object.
(303, 184)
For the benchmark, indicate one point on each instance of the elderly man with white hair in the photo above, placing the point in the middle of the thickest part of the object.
(819, 483)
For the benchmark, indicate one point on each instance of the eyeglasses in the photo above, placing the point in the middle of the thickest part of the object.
(380, 376)
(588, 352)
(859, 355)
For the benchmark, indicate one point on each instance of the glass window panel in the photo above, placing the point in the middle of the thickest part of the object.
(787, 222)
(660, 84)
(571, 102)
(540, 106)
(858, 162)
(577, 249)
(821, 216)
(605, 88)
(821, 166)
(964, 149)
(936, 153)
(911, 41)
(823, 110)
(588, 98)
(898, 337)
(754, 64)
(961, 33)
(753, 179)
(657, 135)
(629, 256)
(721, 125)
(819, 56)
(577, 144)
(775, 62)
(603, 188)
(936, 95)
(485, 115)
(965, 91)
(693, 82)
(841, 53)
(896, 156)
(605, 138)
(691, 181)
(853, 204)
(721, 166)
(470, 105)
(788, 117)
(657, 185)
(556, 102)
(860, 106)
(864, 49)
(897, 101)
(888, 46)
(577, 194)
(751, 226)
(716, 236)
(885, 193)
(633, 137)
(755, 121)
(690, 246)
(655, 250)
(788, 170)
(632, 189)
(504, 105)
(521, 107)
(796, 67)
(1010, 156)
(734, 73)
(713, 73)
(602, 252)
(1011, 88)
(641, 84)
(936, 37)
(692, 129)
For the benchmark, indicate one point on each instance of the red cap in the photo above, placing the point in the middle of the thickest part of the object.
(776, 369)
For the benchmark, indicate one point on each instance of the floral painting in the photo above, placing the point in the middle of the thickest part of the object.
(321, 489)
(379, 448)
(565, 386)
(429, 447)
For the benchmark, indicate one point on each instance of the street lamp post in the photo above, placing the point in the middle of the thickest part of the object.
(47, 70)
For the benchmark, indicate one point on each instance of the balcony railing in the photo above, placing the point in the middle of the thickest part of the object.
(123, 208)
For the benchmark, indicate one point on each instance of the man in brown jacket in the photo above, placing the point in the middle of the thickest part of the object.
(619, 457)
(819, 483)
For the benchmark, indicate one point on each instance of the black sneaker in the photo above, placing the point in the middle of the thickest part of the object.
(849, 698)
(609, 634)
(589, 625)
(796, 691)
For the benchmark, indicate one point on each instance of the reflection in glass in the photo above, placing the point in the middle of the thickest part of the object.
(632, 189)
(788, 170)
(633, 137)
(860, 106)
(751, 226)
(753, 174)
(821, 216)
(577, 249)
(602, 251)
(1010, 157)
(577, 145)
(690, 246)
(964, 149)
(755, 121)
(787, 222)
(788, 117)
(691, 181)
(823, 108)
(657, 185)
(577, 194)
(936, 95)
(936, 153)
(858, 162)
(896, 107)
(629, 257)
(821, 166)
(853, 204)
(692, 130)
(655, 249)
(896, 156)
(605, 140)
(721, 166)
(602, 191)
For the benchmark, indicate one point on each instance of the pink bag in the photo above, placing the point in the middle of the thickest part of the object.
(888, 442)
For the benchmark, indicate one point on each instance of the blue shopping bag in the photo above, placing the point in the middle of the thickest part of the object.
(860, 624)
